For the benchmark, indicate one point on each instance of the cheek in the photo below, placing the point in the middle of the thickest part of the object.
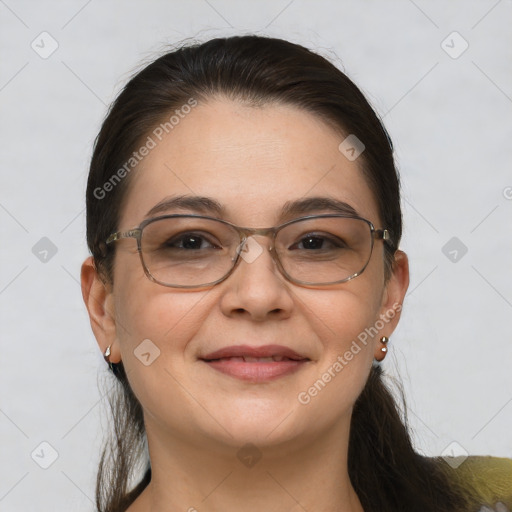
(154, 327)
(341, 316)
(157, 326)
(168, 318)
(341, 320)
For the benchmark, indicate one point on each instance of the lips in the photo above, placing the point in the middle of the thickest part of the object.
(255, 364)
(246, 351)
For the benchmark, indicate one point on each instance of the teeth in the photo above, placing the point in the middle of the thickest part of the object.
(249, 359)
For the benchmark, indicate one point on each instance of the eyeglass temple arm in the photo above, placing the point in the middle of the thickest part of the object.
(132, 233)
(384, 234)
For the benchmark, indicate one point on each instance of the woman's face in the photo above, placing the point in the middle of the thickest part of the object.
(250, 160)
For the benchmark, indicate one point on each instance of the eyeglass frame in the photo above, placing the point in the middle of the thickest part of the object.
(244, 234)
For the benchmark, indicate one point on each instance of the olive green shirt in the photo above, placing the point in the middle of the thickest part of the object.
(489, 480)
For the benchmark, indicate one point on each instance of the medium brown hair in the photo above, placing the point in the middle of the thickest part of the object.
(386, 472)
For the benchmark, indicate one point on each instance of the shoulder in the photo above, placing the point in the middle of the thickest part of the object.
(486, 479)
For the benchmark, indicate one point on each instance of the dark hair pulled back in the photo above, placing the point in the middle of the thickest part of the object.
(386, 472)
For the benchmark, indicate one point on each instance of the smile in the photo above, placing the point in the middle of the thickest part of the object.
(256, 364)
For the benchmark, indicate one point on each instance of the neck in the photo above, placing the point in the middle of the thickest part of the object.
(298, 476)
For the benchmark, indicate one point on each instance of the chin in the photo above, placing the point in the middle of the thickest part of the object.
(264, 423)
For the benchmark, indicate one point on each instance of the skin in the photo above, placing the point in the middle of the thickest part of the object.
(252, 160)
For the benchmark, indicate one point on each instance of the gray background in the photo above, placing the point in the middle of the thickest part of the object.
(449, 114)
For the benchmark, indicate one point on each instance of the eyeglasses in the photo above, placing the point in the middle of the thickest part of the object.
(192, 251)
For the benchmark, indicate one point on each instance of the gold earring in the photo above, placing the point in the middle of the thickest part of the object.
(114, 367)
(384, 340)
(106, 354)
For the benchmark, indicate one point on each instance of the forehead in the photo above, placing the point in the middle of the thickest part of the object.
(251, 160)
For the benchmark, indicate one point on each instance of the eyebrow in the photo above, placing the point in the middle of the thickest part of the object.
(200, 204)
(208, 206)
(314, 205)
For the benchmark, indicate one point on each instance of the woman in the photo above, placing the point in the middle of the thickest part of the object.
(259, 189)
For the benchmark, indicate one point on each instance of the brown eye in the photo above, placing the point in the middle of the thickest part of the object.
(318, 242)
(190, 241)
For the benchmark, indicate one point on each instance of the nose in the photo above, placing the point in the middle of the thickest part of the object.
(257, 289)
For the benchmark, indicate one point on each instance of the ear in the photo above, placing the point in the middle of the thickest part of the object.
(393, 295)
(99, 300)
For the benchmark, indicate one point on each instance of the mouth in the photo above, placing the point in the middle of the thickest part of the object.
(256, 364)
